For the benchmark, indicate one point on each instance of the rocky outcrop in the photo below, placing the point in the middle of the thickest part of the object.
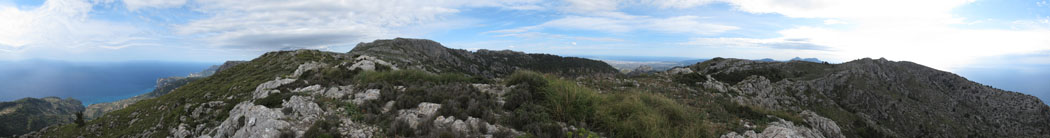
(369, 63)
(471, 127)
(779, 129)
(267, 88)
(247, 120)
(825, 126)
(30, 114)
(422, 113)
(309, 66)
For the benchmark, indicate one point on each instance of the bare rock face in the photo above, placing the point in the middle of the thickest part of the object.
(472, 127)
(422, 113)
(313, 65)
(498, 90)
(779, 129)
(267, 88)
(252, 121)
(303, 112)
(338, 92)
(825, 126)
(368, 63)
(357, 130)
(370, 94)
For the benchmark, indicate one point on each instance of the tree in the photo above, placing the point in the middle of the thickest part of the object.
(80, 119)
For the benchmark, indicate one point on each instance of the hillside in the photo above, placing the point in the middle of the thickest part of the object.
(877, 97)
(418, 88)
(30, 114)
(164, 86)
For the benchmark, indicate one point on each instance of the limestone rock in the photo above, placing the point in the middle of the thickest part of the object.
(779, 129)
(370, 94)
(267, 88)
(312, 65)
(247, 120)
(368, 63)
(414, 117)
(825, 126)
(338, 92)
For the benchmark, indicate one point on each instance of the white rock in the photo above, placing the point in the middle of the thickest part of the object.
(312, 65)
(370, 94)
(338, 92)
(259, 121)
(416, 116)
(267, 88)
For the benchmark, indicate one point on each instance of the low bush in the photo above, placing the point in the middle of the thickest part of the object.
(405, 77)
(627, 114)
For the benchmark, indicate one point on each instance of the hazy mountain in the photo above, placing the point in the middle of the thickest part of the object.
(418, 88)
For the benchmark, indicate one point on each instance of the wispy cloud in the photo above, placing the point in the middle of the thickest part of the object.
(679, 24)
(795, 44)
(64, 24)
(318, 23)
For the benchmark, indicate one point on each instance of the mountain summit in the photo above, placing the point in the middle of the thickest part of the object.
(418, 88)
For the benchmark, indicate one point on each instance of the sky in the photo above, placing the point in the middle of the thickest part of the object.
(950, 35)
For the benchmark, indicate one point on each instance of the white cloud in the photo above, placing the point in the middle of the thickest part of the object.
(679, 24)
(601, 8)
(133, 5)
(922, 31)
(776, 43)
(321, 23)
(680, 3)
(833, 22)
(60, 25)
(686, 24)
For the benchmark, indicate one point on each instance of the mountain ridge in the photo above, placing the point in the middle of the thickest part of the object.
(412, 88)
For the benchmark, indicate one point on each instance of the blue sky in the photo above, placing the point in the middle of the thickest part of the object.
(949, 35)
(944, 34)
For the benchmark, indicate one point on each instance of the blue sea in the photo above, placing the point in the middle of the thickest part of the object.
(89, 82)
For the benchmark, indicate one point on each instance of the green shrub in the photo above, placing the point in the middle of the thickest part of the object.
(354, 113)
(405, 77)
(689, 78)
(274, 100)
(326, 128)
(627, 114)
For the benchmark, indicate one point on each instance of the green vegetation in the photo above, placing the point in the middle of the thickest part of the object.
(325, 128)
(404, 77)
(274, 100)
(236, 83)
(689, 78)
(735, 77)
(628, 114)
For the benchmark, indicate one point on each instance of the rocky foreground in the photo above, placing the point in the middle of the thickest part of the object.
(418, 88)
